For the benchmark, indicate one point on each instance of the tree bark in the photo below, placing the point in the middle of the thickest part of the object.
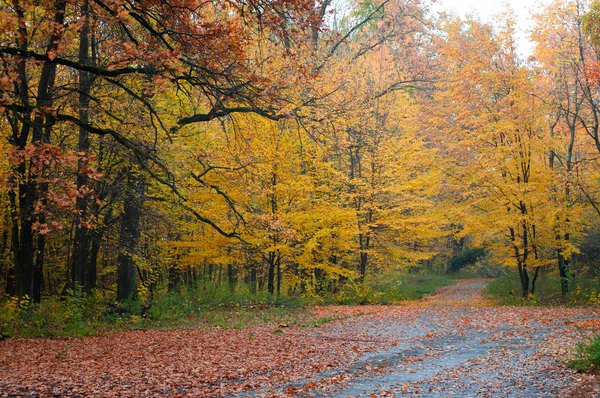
(81, 244)
(28, 274)
(253, 279)
(271, 263)
(129, 237)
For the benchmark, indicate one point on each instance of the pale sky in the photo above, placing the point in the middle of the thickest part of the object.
(487, 9)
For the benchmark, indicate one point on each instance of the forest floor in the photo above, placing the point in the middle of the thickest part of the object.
(452, 343)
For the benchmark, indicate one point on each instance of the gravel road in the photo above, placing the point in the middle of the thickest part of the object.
(457, 345)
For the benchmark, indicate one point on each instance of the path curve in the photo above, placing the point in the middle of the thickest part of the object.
(462, 293)
(457, 345)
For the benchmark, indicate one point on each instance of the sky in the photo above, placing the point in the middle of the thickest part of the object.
(486, 9)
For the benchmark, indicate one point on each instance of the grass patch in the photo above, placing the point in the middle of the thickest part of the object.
(390, 288)
(506, 290)
(587, 356)
(93, 315)
(403, 287)
(78, 316)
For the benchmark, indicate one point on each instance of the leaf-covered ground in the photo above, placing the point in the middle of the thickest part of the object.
(450, 344)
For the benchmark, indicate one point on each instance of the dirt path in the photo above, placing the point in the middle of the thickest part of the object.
(463, 293)
(450, 344)
(456, 346)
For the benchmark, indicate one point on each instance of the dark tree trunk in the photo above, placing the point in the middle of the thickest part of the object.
(563, 267)
(253, 279)
(535, 276)
(521, 264)
(231, 277)
(129, 237)
(364, 258)
(27, 273)
(92, 269)
(14, 242)
(81, 244)
(319, 279)
(524, 281)
(271, 263)
(24, 273)
(174, 277)
(279, 276)
(38, 269)
(38, 266)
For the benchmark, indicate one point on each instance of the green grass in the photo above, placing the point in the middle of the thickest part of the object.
(410, 286)
(93, 315)
(587, 355)
(506, 290)
(390, 288)
(76, 316)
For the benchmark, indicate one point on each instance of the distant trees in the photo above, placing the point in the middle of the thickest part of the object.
(519, 168)
(284, 145)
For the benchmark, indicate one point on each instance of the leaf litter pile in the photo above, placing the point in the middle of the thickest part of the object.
(420, 349)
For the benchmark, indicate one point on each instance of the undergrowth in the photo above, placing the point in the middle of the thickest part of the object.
(506, 290)
(587, 355)
(92, 314)
(395, 288)
(381, 289)
(77, 315)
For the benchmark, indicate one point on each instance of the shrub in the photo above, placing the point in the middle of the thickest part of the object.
(587, 355)
(358, 293)
(53, 317)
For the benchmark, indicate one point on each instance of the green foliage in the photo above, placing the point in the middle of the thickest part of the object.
(587, 355)
(203, 305)
(312, 297)
(358, 293)
(390, 287)
(76, 316)
(218, 306)
(56, 318)
(468, 256)
(506, 290)
(396, 287)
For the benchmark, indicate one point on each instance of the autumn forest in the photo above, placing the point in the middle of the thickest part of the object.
(291, 147)
(162, 159)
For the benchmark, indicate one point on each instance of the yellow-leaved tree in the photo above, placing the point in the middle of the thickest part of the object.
(494, 128)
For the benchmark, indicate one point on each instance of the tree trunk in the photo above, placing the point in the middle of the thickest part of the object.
(129, 237)
(174, 277)
(27, 278)
(521, 264)
(253, 279)
(319, 278)
(24, 274)
(231, 278)
(524, 281)
(364, 258)
(38, 269)
(14, 240)
(279, 276)
(535, 276)
(271, 263)
(92, 269)
(563, 272)
(38, 266)
(81, 244)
